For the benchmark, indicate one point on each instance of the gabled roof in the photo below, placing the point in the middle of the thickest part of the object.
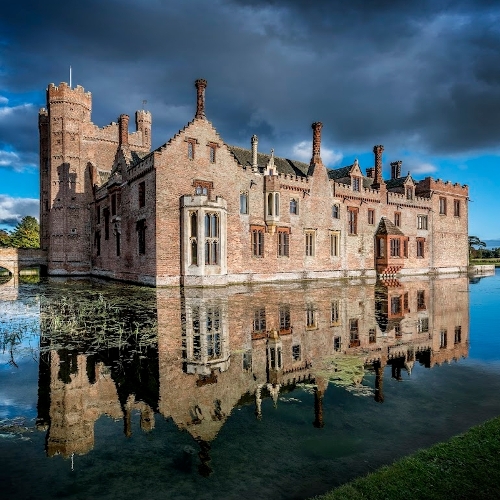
(387, 227)
(283, 165)
(339, 173)
(398, 182)
(137, 156)
(342, 175)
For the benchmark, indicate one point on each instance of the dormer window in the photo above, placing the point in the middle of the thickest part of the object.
(356, 184)
(409, 193)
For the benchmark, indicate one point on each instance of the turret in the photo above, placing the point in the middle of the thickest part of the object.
(64, 178)
(143, 124)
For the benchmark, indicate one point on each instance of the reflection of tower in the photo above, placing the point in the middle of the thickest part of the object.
(379, 382)
(258, 401)
(204, 468)
(318, 408)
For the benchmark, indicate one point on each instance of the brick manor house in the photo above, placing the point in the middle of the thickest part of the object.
(196, 211)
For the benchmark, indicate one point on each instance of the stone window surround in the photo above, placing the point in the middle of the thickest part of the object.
(202, 206)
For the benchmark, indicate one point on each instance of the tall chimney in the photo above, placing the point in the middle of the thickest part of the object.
(316, 149)
(396, 169)
(378, 166)
(255, 142)
(123, 130)
(200, 98)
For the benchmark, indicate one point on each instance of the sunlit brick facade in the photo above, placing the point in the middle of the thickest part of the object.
(196, 211)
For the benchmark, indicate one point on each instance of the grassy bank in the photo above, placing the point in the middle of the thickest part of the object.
(482, 262)
(465, 467)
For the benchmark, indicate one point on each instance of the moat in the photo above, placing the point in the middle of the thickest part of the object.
(265, 391)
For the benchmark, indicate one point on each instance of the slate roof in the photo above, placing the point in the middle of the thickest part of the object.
(398, 182)
(339, 173)
(283, 165)
(342, 175)
(137, 156)
(387, 227)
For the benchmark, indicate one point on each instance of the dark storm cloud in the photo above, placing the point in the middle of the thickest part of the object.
(420, 76)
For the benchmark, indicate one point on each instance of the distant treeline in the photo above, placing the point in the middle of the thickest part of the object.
(25, 235)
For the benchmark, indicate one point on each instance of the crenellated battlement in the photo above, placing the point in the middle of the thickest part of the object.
(428, 186)
(64, 93)
(293, 178)
(402, 200)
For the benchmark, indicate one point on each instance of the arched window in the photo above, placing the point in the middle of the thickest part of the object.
(243, 203)
(194, 224)
(276, 204)
(194, 253)
(270, 204)
(212, 229)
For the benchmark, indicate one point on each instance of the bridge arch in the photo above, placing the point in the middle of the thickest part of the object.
(15, 260)
(6, 267)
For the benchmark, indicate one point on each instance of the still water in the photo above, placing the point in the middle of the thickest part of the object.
(116, 391)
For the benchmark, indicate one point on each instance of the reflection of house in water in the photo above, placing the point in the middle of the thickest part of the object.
(222, 348)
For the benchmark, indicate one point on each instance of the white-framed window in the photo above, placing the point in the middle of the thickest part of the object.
(257, 233)
(442, 206)
(397, 219)
(212, 232)
(310, 243)
(420, 247)
(335, 313)
(334, 243)
(421, 221)
(283, 242)
(352, 220)
(371, 216)
(310, 316)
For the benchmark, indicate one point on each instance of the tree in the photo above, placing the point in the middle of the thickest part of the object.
(474, 241)
(4, 238)
(26, 234)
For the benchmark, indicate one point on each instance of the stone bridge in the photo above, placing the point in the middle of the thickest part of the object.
(17, 259)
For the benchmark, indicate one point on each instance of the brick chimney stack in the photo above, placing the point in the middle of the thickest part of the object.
(200, 98)
(378, 181)
(123, 130)
(396, 169)
(316, 149)
(255, 142)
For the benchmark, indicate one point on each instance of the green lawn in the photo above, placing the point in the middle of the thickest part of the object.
(481, 262)
(465, 467)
